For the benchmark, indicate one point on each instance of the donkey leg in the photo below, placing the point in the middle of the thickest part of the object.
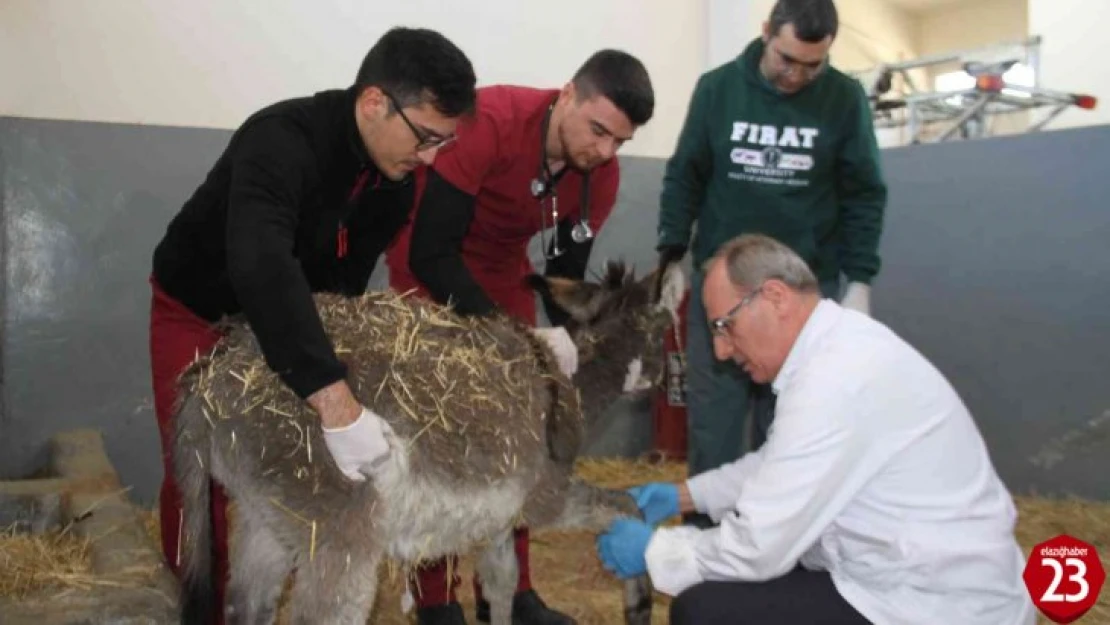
(637, 600)
(337, 586)
(498, 569)
(593, 509)
(259, 567)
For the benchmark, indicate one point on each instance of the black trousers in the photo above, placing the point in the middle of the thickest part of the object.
(800, 597)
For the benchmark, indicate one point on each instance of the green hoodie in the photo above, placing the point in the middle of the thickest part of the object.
(803, 168)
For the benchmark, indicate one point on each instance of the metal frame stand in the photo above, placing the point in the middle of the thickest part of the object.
(964, 112)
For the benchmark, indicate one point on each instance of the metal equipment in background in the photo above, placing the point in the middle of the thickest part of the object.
(932, 116)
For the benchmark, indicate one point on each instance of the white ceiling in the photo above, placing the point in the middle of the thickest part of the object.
(923, 6)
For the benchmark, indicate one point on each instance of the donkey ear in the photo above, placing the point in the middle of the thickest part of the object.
(581, 300)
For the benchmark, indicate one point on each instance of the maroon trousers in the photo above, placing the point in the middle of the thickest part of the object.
(177, 337)
(433, 586)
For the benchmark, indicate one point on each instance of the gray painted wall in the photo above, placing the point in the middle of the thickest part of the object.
(997, 267)
(83, 205)
(994, 257)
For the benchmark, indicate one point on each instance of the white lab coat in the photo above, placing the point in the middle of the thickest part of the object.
(874, 471)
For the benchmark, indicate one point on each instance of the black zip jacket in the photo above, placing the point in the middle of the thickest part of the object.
(293, 206)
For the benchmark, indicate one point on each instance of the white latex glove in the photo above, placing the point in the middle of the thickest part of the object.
(857, 297)
(361, 448)
(566, 353)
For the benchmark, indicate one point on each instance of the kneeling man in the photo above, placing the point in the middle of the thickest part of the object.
(873, 499)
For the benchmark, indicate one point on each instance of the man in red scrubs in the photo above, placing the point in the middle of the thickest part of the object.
(530, 161)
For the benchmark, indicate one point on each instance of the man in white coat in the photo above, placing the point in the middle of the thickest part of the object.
(873, 500)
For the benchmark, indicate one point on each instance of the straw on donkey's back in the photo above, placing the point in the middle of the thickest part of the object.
(447, 385)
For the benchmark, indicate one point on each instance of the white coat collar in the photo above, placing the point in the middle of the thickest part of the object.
(824, 316)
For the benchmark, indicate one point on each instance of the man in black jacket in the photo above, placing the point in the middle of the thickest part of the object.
(305, 198)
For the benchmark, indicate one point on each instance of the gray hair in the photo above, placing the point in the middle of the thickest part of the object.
(752, 259)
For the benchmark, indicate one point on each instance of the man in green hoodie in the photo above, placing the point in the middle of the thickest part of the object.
(775, 142)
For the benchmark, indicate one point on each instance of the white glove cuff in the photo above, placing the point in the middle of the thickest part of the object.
(362, 445)
(360, 422)
(857, 289)
(857, 297)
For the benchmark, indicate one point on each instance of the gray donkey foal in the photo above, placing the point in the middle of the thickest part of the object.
(485, 434)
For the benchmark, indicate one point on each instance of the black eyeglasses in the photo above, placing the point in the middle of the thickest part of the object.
(425, 140)
(720, 325)
(807, 70)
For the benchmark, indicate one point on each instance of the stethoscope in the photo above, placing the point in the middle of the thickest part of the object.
(543, 186)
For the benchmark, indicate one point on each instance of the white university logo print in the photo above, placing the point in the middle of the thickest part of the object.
(772, 155)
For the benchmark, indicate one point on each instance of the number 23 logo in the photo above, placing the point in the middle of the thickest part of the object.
(1079, 577)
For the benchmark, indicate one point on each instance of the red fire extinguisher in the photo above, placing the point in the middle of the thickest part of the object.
(669, 404)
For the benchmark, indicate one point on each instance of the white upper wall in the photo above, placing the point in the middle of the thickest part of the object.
(1073, 54)
(967, 25)
(732, 24)
(210, 63)
(873, 32)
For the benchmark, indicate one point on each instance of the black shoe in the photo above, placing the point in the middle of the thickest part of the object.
(446, 614)
(528, 609)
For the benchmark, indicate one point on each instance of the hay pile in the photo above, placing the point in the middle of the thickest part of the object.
(564, 565)
(32, 564)
(42, 566)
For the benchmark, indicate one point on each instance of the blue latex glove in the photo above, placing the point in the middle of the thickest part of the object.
(621, 549)
(658, 501)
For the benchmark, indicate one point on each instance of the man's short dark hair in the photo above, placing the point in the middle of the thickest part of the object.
(621, 78)
(813, 20)
(418, 65)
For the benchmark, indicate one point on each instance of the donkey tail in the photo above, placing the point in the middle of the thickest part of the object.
(192, 467)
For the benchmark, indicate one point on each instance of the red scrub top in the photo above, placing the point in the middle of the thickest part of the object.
(495, 159)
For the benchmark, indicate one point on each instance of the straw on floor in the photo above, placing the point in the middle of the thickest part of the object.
(32, 563)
